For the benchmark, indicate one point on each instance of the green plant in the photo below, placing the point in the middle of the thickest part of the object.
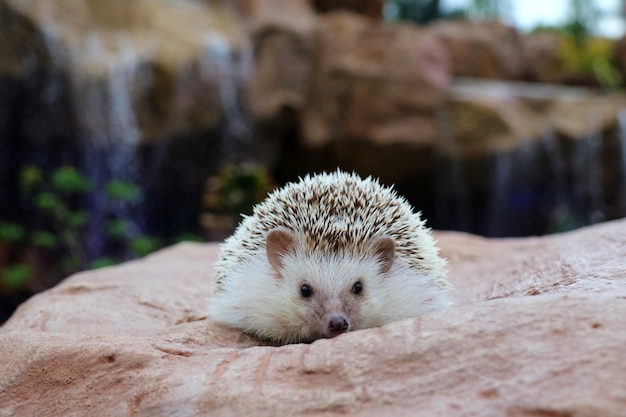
(16, 276)
(237, 188)
(10, 232)
(419, 11)
(488, 9)
(582, 53)
(50, 242)
(230, 194)
(590, 55)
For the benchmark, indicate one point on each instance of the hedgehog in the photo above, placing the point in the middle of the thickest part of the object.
(328, 254)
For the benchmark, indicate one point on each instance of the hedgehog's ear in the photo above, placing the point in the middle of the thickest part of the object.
(384, 248)
(278, 243)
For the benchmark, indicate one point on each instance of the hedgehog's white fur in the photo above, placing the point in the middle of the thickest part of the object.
(334, 217)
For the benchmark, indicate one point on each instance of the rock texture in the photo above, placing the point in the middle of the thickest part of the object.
(374, 87)
(373, 81)
(483, 49)
(543, 57)
(283, 44)
(489, 116)
(538, 331)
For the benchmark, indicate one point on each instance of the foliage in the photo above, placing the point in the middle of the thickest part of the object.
(488, 9)
(585, 15)
(10, 232)
(143, 245)
(15, 276)
(590, 55)
(123, 191)
(103, 263)
(51, 243)
(237, 188)
(583, 53)
(580, 53)
(230, 194)
(418, 11)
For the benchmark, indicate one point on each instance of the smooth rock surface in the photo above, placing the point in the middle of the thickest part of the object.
(483, 49)
(283, 56)
(372, 98)
(374, 81)
(538, 331)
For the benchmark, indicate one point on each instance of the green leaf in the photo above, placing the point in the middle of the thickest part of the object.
(69, 179)
(71, 263)
(77, 219)
(30, 177)
(143, 245)
(188, 237)
(50, 203)
(117, 229)
(103, 263)
(10, 232)
(123, 191)
(44, 239)
(16, 276)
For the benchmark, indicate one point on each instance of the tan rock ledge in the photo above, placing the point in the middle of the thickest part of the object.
(540, 329)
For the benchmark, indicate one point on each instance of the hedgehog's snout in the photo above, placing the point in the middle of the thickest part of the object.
(337, 325)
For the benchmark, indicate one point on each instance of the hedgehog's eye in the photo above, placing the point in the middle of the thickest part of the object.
(306, 291)
(357, 288)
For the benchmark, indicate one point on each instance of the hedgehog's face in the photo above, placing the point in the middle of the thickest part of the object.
(328, 294)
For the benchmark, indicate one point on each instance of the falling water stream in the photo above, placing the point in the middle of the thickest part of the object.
(108, 134)
(106, 76)
(451, 195)
(621, 123)
(541, 185)
(219, 62)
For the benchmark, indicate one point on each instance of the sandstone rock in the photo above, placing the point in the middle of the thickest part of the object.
(375, 87)
(488, 116)
(485, 118)
(283, 44)
(370, 79)
(483, 49)
(542, 51)
(587, 115)
(538, 330)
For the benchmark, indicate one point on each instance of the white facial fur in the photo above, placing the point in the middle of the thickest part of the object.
(267, 303)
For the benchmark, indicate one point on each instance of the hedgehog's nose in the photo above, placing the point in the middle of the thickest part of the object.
(338, 325)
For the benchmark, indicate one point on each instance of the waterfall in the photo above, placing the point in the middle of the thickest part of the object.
(158, 110)
(498, 213)
(108, 133)
(222, 63)
(559, 210)
(621, 137)
(451, 196)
